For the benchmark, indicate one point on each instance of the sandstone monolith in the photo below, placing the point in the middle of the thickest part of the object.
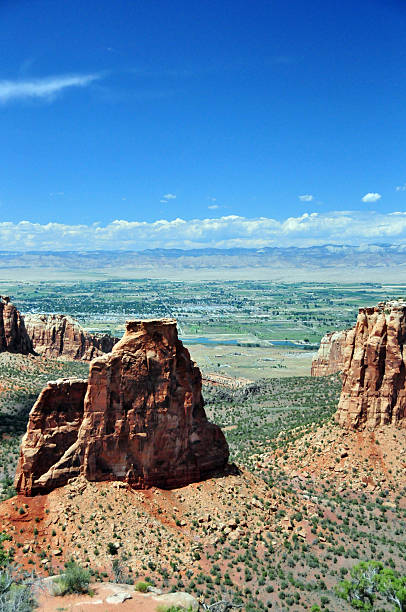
(143, 420)
(13, 334)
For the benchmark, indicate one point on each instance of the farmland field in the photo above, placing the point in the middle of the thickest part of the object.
(245, 329)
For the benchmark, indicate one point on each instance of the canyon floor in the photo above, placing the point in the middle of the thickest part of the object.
(303, 503)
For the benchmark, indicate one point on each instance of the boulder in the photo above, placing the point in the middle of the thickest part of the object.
(118, 598)
(179, 599)
(141, 420)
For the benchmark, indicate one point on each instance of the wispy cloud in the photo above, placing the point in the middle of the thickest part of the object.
(306, 198)
(168, 196)
(213, 206)
(371, 197)
(401, 187)
(309, 229)
(43, 88)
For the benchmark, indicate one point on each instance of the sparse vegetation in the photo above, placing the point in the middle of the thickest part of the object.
(75, 579)
(282, 535)
(163, 608)
(15, 592)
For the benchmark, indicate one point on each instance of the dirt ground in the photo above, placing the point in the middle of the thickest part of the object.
(149, 528)
(361, 460)
(101, 591)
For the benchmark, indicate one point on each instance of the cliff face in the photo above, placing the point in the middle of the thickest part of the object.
(374, 391)
(52, 429)
(330, 356)
(143, 420)
(13, 334)
(58, 335)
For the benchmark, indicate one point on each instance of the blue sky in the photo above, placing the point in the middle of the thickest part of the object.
(144, 111)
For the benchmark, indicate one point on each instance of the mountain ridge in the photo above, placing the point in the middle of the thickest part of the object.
(326, 263)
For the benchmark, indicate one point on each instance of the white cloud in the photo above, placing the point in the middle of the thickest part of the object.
(401, 187)
(307, 197)
(169, 196)
(43, 88)
(213, 206)
(371, 197)
(348, 227)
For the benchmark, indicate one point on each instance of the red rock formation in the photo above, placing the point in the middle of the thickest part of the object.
(330, 356)
(57, 335)
(52, 429)
(143, 420)
(13, 334)
(374, 390)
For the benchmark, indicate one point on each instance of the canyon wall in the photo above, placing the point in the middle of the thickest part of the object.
(56, 335)
(330, 356)
(374, 391)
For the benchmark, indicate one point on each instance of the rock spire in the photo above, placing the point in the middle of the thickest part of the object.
(139, 419)
(374, 389)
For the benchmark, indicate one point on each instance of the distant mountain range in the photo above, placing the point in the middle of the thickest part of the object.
(325, 256)
(321, 262)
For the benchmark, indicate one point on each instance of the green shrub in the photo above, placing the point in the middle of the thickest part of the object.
(75, 579)
(370, 579)
(15, 593)
(8, 488)
(142, 587)
(5, 556)
(163, 608)
(111, 549)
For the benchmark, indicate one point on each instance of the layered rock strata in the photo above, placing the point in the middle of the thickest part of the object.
(13, 334)
(56, 335)
(143, 420)
(330, 356)
(374, 389)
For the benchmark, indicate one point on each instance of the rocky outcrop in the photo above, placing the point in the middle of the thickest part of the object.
(330, 356)
(374, 390)
(56, 335)
(143, 420)
(13, 334)
(53, 428)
